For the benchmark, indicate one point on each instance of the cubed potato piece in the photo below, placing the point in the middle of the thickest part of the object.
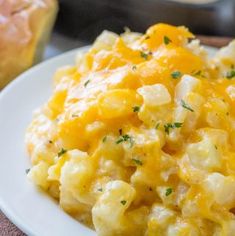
(105, 40)
(159, 219)
(186, 85)
(221, 187)
(76, 176)
(225, 58)
(204, 155)
(109, 211)
(155, 95)
(231, 92)
(39, 173)
(117, 103)
(182, 228)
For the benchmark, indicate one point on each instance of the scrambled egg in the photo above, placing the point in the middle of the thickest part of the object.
(138, 137)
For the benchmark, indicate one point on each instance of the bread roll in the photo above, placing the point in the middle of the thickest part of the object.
(25, 26)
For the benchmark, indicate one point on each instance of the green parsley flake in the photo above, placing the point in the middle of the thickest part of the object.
(136, 109)
(62, 152)
(166, 40)
(137, 162)
(157, 125)
(197, 73)
(123, 202)
(125, 138)
(176, 74)
(168, 191)
(147, 37)
(169, 126)
(27, 171)
(100, 189)
(104, 139)
(186, 106)
(230, 74)
(144, 55)
(86, 83)
(134, 67)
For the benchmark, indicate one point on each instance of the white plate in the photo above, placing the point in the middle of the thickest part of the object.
(31, 210)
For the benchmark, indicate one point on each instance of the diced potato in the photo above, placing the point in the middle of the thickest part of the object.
(225, 58)
(231, 92)
(76, 176)
(38, 174)
(105, 41)
(155, 95)
(117, 103)
(109, 211)
(159, 219)
(204, 155)
(183, 228)
(221, 187)
(186, 85)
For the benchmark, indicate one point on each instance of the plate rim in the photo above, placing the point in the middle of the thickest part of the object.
(6, 210)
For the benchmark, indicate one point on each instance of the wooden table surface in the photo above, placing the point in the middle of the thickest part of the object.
(7, 228)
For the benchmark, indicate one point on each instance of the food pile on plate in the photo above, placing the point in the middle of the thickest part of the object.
(138, 136)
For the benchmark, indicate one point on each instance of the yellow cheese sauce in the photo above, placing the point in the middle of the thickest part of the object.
(138, 137)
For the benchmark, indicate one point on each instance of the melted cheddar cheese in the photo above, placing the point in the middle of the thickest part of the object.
(138, 136)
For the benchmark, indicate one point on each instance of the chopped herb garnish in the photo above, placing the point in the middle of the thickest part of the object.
(104, 139)
(176, 74)
(100, 189)
(168, 191)
(123, 202)
(157, 125)
(144, 55)
(62, 152)
(125, 138)
(136, 109)
(134, 67)
(227, 113)
(230, 74)
(216, 147)
(169, 126)
(74, 115)
(137, 162)
(166, 40)
(50, 141)
(86, 83)
(27, 171)
(186, 106)
(147, 37)
(119, 141)
(197, 73)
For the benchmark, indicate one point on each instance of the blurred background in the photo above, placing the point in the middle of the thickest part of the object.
(86, 18)
(80, 21)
